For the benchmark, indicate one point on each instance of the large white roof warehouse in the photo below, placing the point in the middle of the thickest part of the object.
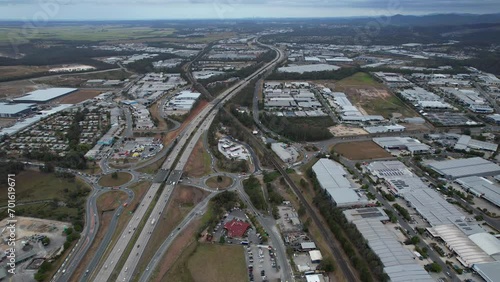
(44, 95)
(399, 263)
(481, 187)
(332, 177)
(465, 167)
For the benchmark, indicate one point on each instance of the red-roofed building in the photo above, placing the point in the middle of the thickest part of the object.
(236, 228)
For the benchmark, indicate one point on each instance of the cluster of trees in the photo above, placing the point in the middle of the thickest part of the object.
(315, 75)
(222, 162)
(299, 129)
(404, 212)
(367, 262)
(11, 167)
(253, 188)
(348, 236)
(220, 204)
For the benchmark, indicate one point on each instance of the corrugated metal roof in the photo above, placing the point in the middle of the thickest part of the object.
(399, 263)
(458, 242)
(465, 167)
(13, 108)
(487, 189)
(487, 242)
(432, 206)
(45, 94)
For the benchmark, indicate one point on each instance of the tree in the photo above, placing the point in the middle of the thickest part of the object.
(222, 240)
(45, 241)
(219, 178)
(326, 265)
(114, 175)
(415, 240)
(434, 267)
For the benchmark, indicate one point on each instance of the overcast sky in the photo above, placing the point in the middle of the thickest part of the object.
(41, 10)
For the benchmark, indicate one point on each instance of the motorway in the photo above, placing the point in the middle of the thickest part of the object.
(182, 150)
(205, 117)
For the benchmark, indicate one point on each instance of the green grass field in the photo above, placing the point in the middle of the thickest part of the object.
(358, 79)
(108, 180)
(32, 186)
(82, 33)
(213, 263)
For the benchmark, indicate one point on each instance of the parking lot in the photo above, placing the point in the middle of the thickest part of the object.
(261, 263)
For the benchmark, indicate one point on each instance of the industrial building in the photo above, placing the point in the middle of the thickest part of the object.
(384, 128)
(481, 187)
(392, 79)
(467, 252)
(399, 263)
(332, 177)
(458, 168)
(432, 206)
(465, 143)
(403, 183)
(489, 271)
(44, 95)
(286, 153)
(366, 213)
(347, 111)
(402, 143)
(14, 110)
(308, 68)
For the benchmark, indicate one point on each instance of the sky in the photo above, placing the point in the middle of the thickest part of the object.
(45, 10)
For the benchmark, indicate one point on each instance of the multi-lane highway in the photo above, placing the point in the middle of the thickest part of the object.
(179, 157)
(189, 136)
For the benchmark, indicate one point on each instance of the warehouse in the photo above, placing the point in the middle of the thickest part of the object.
(488, 243)
(14, 110)
(287, 154)
(332, 177)
(384, 128)
(399, 263)
(481, 187)
(458, 168)
(432, 206)
(368, 213)
(489, 271)
(465, 142)
(402, 143)
(468, 253)
(45, 95)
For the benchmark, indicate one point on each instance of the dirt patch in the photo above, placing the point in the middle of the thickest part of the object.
(110, 200)
(342, 130)
(183, 199)
(78, 96)
(196, 165)
(362, 150)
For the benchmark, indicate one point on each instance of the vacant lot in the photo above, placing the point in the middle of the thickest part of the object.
(372, 97)
(220, 183)
(362, 150)
(83, 33)
(183, 199)
(11, 72)
(213, 263)
(109, 181)
(41, 189)
(198, 163)
(79, 96)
